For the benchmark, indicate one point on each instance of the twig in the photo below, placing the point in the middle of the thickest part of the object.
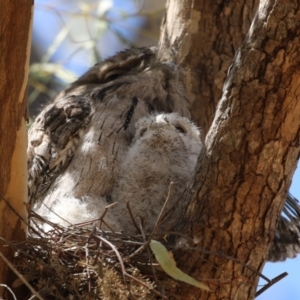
(117, 253)
(87, 259)
(267, 286)
(137, 251)
(123, 267)
(76, 243)
(9, 289)
(50, 209)
(170, 194)
(33, 215)
(87, 266)
(33, 291)
(100, 219)
(220, 254)
(231, 258)
(148, 251)
(16, 212)
(272, 282)
(131, 215)
(104, 213)
(13, 209)
(37, 226)
(145, 285)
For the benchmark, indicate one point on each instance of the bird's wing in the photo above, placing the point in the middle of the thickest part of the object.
(52, 141)
(286, 243)
(80, 137)
(53, 138)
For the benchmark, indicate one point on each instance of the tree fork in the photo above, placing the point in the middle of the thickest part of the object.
(252, 148)
(205, 36)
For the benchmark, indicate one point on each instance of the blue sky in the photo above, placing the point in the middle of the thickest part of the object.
(289, 287)
(46, 27)
(72, 46)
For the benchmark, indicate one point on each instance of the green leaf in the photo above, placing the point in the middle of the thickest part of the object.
(168, 265)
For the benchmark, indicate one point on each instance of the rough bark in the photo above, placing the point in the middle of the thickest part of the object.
(15, 32)
(205, 36)
(252, 145)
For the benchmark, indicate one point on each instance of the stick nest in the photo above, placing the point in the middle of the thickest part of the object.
(84, 262)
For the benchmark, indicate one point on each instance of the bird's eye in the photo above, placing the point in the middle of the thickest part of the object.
(180, 129)
(142, 132)
(112, 75)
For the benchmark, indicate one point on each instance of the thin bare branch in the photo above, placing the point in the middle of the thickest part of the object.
(20, 276)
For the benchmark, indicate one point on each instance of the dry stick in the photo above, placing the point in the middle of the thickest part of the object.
(37, 226)
(137, 243)
(131, 215)
(99, 219)
(12, 246)
(148, 251)
(50, 209)
(87, 259)
(145, 285)
(123, 267)
(233, 259)
(87, 267)
(117, 253)
(272, 282)
(170, 194)
(32, 214)
(143, 235)
(55, 226)
(138, 228)
(135, 279)
(104, 213)
(77, 232)
(33, 291)
(220, 254)
(17, 214)
(12, 208)
(137, 251)
(9, 289)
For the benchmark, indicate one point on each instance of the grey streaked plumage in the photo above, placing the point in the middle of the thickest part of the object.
(77, 143)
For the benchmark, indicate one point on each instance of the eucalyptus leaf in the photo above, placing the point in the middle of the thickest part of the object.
(168, 265)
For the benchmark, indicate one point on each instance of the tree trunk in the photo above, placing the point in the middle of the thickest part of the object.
(15, 32)
(251, 128)
(205, 37)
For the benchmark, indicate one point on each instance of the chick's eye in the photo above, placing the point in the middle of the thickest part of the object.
(142, 132)
(180, 129)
